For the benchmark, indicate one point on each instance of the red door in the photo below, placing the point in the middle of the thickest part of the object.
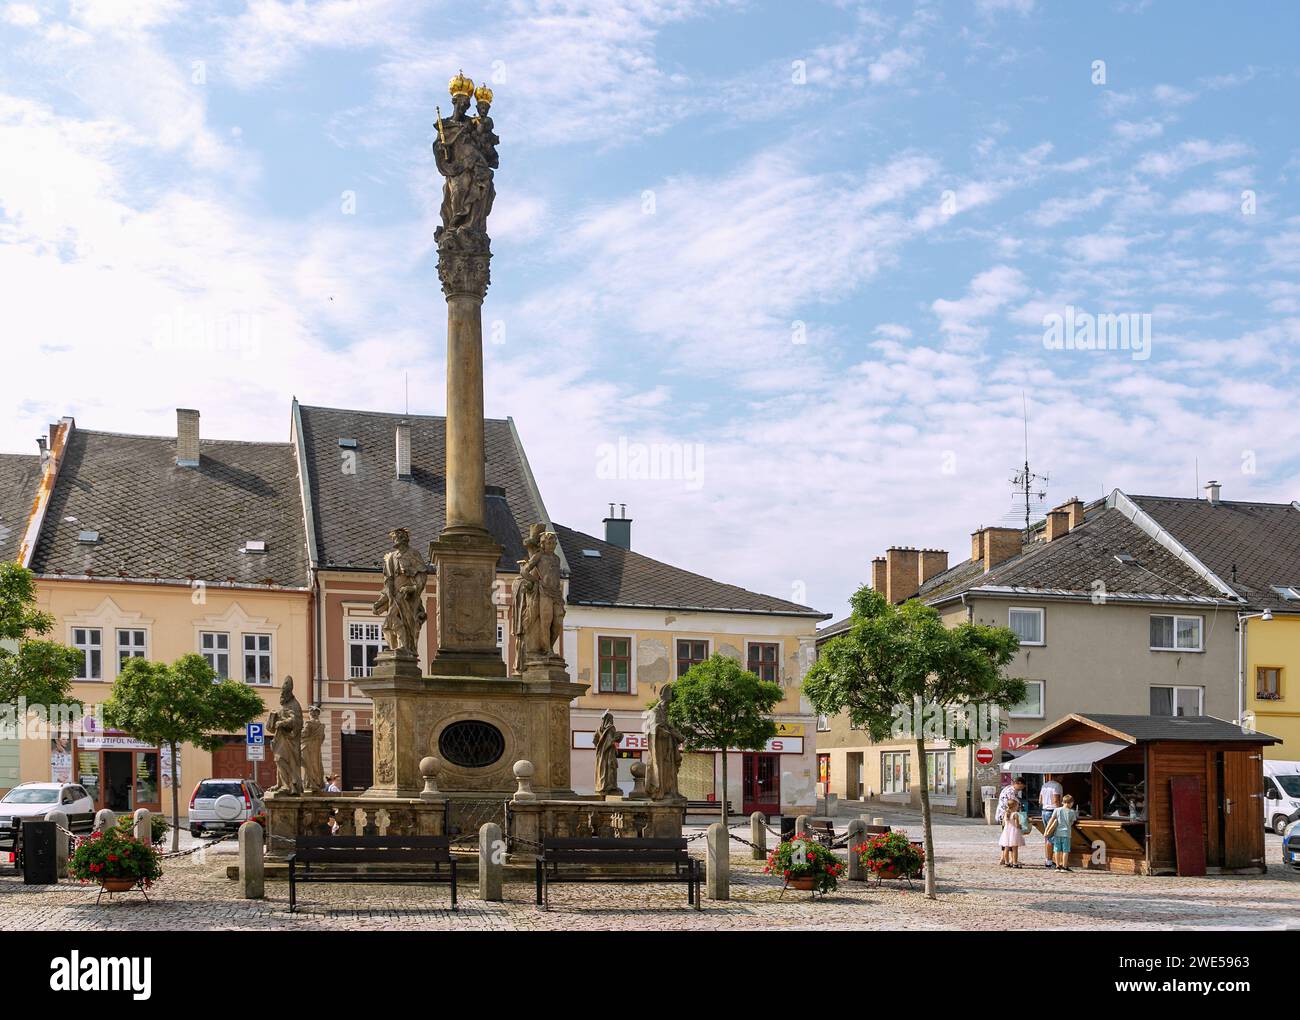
(762, 775)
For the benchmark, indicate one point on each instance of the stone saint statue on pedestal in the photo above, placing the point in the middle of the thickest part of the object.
(284, 727)
(606, 741)
(664, 749)
(402, 601)
(313, 740)
(538, 600)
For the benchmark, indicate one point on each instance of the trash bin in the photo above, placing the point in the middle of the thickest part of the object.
(39, 864)
(989, 793)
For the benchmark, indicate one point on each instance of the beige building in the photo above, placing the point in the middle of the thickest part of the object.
(1108, 619)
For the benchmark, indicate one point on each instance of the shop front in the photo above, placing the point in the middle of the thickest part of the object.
(119, 772)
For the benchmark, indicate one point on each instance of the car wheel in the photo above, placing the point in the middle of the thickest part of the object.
(1279, 824)
(196, 832)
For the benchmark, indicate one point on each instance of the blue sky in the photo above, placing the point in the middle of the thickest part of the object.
(814, 245)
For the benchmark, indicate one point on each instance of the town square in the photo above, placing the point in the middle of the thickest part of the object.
(510, 471)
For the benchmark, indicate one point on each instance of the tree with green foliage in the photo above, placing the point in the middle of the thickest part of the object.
(899, 665)
(31, 667)
(182, 703)
(718, 705)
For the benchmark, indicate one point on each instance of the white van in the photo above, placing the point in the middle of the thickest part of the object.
(1281, 793)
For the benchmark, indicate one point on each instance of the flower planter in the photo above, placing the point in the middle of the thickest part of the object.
(113, 885)
(804, 882)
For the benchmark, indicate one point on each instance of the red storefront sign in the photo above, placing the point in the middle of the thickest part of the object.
(1016, 742)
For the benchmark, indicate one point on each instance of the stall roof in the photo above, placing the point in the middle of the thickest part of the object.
(1065, 757)
(1133, 729)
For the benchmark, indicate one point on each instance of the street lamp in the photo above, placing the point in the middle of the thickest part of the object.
(1265, 616)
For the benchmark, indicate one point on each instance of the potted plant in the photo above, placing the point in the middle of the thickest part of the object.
(805, 864)
(891, 855)
(116, 861)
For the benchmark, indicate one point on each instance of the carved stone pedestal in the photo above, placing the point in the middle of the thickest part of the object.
(465, 561)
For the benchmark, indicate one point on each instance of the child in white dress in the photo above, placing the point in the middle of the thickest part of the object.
(1012, 838)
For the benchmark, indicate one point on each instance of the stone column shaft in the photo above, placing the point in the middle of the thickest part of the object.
(466, 478)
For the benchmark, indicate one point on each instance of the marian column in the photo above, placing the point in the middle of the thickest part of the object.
(465, 555)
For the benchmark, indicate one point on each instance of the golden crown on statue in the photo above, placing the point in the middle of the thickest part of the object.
(460, 85)
(483, 94)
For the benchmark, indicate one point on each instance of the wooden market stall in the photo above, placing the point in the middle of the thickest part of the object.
(1160, 794)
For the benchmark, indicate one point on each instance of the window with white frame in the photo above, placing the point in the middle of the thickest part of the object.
(895, 772)
(257, 658)
(1032, 706)
(89, 641)
(214, 646)
(1027, 625)
(130, 645)
(1176, 634)
(940, 768)
(823, 724)
(1177, 700)
(365, 642)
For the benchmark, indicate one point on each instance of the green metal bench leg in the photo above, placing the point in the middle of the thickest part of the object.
(539, 883)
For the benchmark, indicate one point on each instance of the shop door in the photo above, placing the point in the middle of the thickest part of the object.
(230, 761)
(1243, 791)
(358, 763)
(762, 786)
(119, 777)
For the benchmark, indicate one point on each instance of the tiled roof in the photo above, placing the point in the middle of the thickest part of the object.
(1161, 727)
(155, 519)
(1076, 562)
(618, 577)
(355, 509)
(19, 474)
(1262, 540)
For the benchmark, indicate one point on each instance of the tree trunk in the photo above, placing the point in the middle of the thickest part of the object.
(176, 799)
(723, 809)
(923, 773)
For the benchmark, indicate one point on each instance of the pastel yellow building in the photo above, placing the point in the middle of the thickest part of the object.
(1272, 657)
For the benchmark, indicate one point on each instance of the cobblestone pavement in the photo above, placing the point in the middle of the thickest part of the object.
(974, 894)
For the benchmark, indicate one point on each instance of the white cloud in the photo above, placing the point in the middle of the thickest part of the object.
(1195, 152)
(1200, 200)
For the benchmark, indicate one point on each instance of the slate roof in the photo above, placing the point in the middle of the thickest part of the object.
(19, 475)
(1071, 565)
(618, 577)
(354, 512)
(158, 520)
(1261, 539)
(1139, 728)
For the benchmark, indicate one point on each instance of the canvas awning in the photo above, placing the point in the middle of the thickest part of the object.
(1065, 757)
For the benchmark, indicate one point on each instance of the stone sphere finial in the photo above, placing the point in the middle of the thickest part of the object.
(524, 771)
(429, 769)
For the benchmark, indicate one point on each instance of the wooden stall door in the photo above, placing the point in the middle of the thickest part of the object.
(1243, 831)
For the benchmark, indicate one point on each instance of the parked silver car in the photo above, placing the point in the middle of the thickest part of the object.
(223, 805)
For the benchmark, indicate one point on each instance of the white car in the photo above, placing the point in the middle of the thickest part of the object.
(223, 805)
(36, 800)
(1281, 793)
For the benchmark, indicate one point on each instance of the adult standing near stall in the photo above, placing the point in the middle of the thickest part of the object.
(1049, 799)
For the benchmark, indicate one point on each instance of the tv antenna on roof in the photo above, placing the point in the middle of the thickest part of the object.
(1032, 487)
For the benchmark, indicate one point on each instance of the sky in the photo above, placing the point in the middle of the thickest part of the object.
(785, 279)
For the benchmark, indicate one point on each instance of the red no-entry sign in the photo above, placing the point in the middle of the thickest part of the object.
(984, 756)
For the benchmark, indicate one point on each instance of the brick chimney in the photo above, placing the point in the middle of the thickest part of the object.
(1058, 524)
(902, 568)
(933, 561)
(878, 574)
(403, 446)
(996, 545)
(187, 437)
(618, 530)
(1075, 509)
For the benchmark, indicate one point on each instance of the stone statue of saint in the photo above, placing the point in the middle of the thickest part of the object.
(284, 727)
(606, 740)
(663, 749)
(402, 601)
(465, 153)
(313, 740)
(538, 599)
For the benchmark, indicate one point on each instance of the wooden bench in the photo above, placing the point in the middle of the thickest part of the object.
(823, 832)
(366, 859)
(11, 836)
(618, 854)
(708, 807)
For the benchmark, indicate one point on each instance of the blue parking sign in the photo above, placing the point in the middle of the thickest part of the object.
(254, 733)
